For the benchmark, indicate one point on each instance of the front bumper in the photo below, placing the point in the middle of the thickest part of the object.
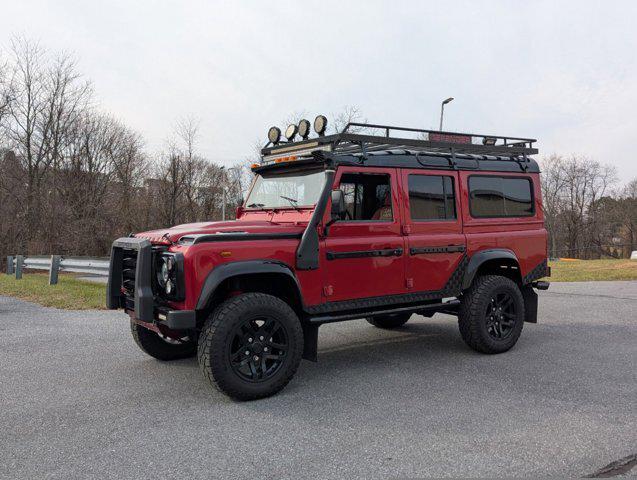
(130, 286)
(176, 319)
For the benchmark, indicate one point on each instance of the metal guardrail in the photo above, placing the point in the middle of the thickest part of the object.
(97, 266)
(55, 263)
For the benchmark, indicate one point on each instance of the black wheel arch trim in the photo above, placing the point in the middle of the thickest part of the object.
(479, 258)
(248, 267)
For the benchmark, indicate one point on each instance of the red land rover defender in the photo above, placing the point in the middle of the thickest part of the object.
(340, 227)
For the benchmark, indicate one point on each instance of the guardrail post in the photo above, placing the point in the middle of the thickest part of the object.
(54, 270)
(10, 265)
(19, 260)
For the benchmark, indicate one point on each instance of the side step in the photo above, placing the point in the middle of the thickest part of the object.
(446, 307)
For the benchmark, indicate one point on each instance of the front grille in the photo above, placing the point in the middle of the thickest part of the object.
(129, 269)
(130, 277)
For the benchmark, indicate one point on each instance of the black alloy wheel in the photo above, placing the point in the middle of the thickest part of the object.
(501, 315)
(491, 314)
(258, 348)
(250, 346)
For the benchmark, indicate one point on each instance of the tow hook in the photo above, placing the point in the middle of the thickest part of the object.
(541, 285)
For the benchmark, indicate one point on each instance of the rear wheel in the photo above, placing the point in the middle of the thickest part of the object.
(162, 347)
(491, 314)
(392, 320)
(251, 346)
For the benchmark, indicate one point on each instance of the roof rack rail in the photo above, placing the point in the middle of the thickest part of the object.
(363, 138)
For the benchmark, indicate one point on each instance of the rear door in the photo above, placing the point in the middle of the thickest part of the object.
(433, 228)
(365, 251)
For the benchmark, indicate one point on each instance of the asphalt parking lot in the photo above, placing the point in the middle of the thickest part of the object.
(78, 399)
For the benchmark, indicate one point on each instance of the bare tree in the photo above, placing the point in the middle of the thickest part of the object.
(130, 167)
(4, 94)
(553, 183)
(626, 216)
(294, 118)
(46, 97)
(348, 114)
(191, 186)
(576, 212)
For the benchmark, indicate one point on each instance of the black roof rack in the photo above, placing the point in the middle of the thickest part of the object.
(360, 138)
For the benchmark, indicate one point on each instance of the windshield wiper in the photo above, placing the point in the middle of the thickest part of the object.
(256, 205)
(293, 201)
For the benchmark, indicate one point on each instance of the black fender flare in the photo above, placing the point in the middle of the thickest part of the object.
(245, 267)
(483, 256)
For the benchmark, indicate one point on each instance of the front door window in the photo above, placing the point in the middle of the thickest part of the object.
(367, 197)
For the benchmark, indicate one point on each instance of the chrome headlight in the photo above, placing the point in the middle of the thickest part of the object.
(164, 274)
(162, 271)
(169, 274)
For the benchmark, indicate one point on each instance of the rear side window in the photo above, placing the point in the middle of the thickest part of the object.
(431, 197)
(491, 196)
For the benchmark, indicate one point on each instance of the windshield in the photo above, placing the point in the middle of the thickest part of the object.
(286, 190)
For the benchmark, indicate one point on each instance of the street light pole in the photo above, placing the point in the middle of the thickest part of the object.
(223, 205)
(223, 194)
(442, 109)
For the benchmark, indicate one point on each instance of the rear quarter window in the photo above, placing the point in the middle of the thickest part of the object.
(497, 197)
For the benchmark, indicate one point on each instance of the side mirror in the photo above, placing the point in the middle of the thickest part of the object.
(338, 205)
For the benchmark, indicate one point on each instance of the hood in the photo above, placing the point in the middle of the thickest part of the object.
(170, 235)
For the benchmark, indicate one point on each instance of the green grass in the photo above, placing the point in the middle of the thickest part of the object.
(69, 293)
(592, 270)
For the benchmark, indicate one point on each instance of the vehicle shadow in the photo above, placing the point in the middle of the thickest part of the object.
(339, 349)
(371, 343)
(348, 355)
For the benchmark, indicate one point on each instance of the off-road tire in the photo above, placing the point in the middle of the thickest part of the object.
(389, 321)
(216, 337)
(152, 344)
(472, 316)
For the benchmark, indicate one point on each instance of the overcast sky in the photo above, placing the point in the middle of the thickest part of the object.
(562, 72)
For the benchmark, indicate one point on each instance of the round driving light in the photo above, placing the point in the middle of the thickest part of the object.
(169, 287)
(290, 132)
(165, 274)
(304, 129)
(320, 124)
(274, 135)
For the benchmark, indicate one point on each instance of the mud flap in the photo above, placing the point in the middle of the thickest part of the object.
(530, 304)
(310, 341)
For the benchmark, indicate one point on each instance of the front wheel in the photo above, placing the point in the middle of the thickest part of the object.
(161, 347)
(251, 346)
(491, 314)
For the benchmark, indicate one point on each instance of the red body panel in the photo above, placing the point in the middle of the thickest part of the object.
(371, 276)
(524, 236)
(355, 278)
(431, 271)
